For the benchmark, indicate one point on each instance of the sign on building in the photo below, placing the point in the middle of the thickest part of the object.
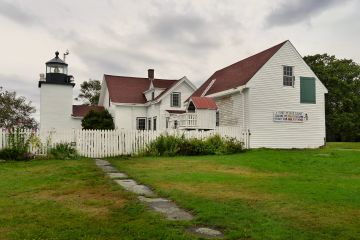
(289, 116)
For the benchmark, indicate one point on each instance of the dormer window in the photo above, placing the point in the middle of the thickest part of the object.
(288, 76)
(175, 99)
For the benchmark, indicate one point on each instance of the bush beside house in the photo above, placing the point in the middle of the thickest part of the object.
(98, 120)
(168, 145)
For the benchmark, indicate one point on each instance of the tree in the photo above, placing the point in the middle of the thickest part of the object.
(98, 120)
(342, 79)
(15, 111)
(90, 92)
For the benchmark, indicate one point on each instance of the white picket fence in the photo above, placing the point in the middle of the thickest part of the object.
(107, 143)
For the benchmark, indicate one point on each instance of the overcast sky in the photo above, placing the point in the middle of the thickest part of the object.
(176, 38)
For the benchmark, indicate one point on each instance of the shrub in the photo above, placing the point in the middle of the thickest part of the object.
(98, 120)
(164, 145)
(18, 146)
(63, 151)
(168, 145)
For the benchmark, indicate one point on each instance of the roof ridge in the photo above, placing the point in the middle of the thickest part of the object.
(110, 75)
(256, 54)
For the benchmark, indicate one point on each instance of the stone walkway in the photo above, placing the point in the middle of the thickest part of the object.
(161, 205)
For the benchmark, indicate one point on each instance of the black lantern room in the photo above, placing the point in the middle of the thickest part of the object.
(57, 72)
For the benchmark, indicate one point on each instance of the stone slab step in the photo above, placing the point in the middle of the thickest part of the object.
(167, 208)
(117, 175)
(132, 186)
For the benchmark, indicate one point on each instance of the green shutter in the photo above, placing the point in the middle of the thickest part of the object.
(307, 90)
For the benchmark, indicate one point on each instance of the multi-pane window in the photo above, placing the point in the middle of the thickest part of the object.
(217, 118)
(288, 76)
(140, 123)
(154, 124)
(149, 123)
(175, 99)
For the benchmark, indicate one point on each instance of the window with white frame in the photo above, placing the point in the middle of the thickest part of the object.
(175, 100)
(288, 76)
(217, 118)
(140, 123)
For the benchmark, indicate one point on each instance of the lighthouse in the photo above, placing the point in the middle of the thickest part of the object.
(56, 96)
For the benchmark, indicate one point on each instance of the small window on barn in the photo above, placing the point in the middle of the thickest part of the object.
(217, 118)
(175, 99)
(140, 123)
(152, 95)
(307, 90)
(288, 76)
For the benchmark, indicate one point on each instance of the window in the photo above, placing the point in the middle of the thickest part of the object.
(152, 95)
(288, 78)
(167, 122)
(149, 123)
(175, 99)
(140, 123)
(154, 123)
(175, 124)
(217, 118)
(307, 90)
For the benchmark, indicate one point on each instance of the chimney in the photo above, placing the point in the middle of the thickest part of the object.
(151, 74)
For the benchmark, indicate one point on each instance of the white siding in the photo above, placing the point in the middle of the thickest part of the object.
(206, 119)
(125, 116)
(230, 109)
(268, 95)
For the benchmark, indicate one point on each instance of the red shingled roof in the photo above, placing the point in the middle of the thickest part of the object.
(82, 110)
(237, 74)
(130, 89)
(204, 103)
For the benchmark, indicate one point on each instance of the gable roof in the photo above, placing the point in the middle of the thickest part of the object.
(82, 110)
(236, 74)
(130, 89)
(204, 103)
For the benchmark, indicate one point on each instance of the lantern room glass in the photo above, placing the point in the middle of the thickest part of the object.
(56, 68)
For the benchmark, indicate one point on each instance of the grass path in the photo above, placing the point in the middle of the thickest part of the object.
(263, 194)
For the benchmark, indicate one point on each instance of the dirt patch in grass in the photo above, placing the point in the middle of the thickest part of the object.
(315, 217)
(205, 166)
(242, 171)
(91, 201)
(219, 191)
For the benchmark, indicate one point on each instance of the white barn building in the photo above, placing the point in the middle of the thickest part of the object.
(273, 95)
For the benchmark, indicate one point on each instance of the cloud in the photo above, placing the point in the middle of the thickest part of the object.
(295, 11)
(17, 14)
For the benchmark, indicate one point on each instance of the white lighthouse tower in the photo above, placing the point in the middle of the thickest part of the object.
(56, 96)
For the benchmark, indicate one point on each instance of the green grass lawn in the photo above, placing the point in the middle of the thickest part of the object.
(263, 194)
(71, 200)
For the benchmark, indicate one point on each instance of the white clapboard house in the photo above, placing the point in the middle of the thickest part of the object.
(145, 103)
(273, 95)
